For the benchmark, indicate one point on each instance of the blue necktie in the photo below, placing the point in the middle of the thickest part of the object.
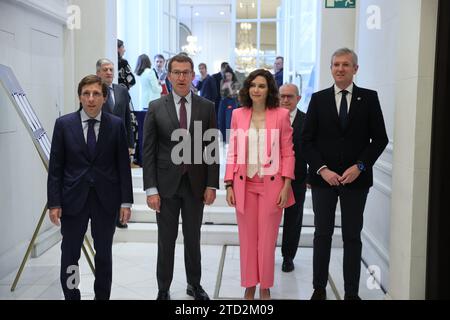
(91, 140)
(110, 101)
(343, 109)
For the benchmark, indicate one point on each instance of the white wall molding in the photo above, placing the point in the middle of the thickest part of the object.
(375, 244)
(384, 166)
(55, 9)
(390, 148)
(380, 186)
(374, 254)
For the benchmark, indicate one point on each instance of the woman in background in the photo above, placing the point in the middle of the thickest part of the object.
(150, 87)
(229, 89)
(126, 77)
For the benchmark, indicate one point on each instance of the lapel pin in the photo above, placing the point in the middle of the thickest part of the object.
(359, 99)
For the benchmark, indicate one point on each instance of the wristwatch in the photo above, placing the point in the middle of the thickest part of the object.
(361, 166)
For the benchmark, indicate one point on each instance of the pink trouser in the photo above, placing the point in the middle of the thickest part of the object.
(258, 232)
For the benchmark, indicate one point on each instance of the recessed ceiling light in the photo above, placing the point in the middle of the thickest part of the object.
(222, 13)
(196, 14)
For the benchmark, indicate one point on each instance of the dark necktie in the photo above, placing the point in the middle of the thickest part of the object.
(110, 101)
(343, 109)
(183, 125)
(91, 140)
(183, 113)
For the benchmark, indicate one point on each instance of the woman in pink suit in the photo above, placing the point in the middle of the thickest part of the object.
(260, 166)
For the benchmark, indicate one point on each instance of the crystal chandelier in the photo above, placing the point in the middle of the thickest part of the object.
(246, 53)
(191, 48)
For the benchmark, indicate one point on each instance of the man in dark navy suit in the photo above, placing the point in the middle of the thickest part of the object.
(293, 215)
(218, 78)
(343, 136)
(207, 84)
(278, 68)
(118, 103)
(89, 178)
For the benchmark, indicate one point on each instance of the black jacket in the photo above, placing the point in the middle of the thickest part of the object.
(326, 143)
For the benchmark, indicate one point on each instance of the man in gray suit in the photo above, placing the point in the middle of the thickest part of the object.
(187, 184)
(118, 104)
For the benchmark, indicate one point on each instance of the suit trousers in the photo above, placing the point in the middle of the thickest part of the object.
(292, 223)
(352, 203)
(258, 232)
(191, 209)
(73, 229)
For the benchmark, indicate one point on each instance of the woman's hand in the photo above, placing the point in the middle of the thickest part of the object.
(230, 197)
(283, 197)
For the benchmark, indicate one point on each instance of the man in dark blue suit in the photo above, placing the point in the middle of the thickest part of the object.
(207, 84)
(118, 103)
(278, 68)
(293, 215)
(218, 78)
(342, 138)
(89, 178)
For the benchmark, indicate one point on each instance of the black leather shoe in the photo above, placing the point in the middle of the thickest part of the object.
(288, 265)
(351, 297)
(319, 294)
(197, 292)
(163, 295)
(121, 225)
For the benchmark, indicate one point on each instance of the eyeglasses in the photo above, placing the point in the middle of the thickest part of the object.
(95, 94)
(287, 96)
(178, 74)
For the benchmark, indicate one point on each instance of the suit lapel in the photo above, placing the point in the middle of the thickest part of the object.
(354, 105)
(271, 123)
(195, 110)
(105, 128)
(331, 103)
(296, 122)
(77, 128)
(246, 119)
(172, 111)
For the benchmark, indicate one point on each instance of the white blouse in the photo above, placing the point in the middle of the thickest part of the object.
(256, 150)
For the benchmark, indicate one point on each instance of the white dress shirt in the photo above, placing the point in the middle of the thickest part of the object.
(338, 98)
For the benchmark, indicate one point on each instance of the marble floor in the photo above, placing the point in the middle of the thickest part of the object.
(135, 268)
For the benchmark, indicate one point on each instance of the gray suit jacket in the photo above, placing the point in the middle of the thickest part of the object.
(159, 169)
(122, 109)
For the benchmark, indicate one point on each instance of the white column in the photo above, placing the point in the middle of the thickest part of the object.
(412, 139)
(336, 30)
(96, 38)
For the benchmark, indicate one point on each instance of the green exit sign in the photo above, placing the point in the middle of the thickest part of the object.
(340, 4)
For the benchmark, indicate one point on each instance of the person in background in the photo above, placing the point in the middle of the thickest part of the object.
(117, 103)
(229, 89)
(161, 72)
(206, 85)
(89, 178)
(218, 78)
(293, 215)
(278, 68)
(342, 138)
(150, 86)
(126, 77)
(259, 169)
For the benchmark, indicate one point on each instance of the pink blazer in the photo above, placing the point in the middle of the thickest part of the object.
(279, 160)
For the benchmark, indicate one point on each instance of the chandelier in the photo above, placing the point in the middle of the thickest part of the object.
(246, 53)
(191, 48)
